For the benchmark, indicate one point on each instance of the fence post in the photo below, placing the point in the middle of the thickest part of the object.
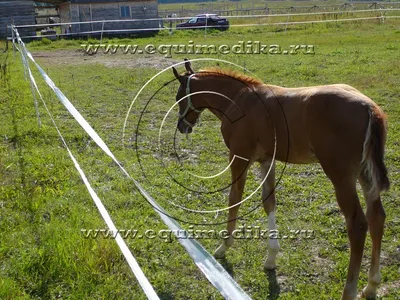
(288, 16)
(13, 39)
(102, 28)
(205, 29)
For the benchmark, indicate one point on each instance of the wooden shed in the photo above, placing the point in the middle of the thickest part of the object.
(120, 11)
(17, 12)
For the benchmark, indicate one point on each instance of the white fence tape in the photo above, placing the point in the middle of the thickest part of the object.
(381, 10)
(115, 31)
(214, 272)
(143, 281)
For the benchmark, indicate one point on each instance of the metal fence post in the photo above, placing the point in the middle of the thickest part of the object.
(205, 29)
(102, 28)
(13, 39)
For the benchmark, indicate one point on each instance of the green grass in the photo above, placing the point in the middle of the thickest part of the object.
(44, 205)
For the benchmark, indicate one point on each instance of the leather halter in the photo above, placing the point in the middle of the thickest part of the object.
(189, 105)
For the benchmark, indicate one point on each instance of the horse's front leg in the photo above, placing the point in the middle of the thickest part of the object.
(239, 168)
(269, 203)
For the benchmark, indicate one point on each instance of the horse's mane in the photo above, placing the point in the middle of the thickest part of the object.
(214, 71)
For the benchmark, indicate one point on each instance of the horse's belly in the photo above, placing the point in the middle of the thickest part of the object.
(296, 155)
(298, 158)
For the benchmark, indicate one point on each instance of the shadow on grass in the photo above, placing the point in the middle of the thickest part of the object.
(166, 296)
(274, 289)
(227, 266)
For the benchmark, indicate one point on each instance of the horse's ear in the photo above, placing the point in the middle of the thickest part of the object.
(188, 66)
(176, 74)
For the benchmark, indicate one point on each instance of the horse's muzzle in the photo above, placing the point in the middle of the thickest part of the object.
(183, 128)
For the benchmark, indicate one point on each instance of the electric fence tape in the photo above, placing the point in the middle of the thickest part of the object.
(143, 281)
(214, 272)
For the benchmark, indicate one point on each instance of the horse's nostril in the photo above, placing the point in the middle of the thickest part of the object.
(180, 128)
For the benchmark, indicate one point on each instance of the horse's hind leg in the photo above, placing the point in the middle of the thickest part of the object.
(268, 198)
(239, 168)
(344, 182)
(376, 219)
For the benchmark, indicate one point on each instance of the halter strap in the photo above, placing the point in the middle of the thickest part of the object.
(188, 89)
(189, 105)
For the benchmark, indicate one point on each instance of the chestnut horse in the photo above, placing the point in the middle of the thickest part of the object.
(334, 125)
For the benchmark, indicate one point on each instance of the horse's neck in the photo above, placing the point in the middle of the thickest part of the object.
(216, 103)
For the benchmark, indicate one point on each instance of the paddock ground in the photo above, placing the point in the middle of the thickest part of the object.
(44, 205)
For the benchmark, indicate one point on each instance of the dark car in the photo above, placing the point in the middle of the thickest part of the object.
(205, 20)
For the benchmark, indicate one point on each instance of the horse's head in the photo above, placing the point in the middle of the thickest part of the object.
(188, 114)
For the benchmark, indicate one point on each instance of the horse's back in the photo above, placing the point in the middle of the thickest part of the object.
(324, 122)
(338, 119)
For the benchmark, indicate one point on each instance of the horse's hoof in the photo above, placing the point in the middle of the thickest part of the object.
(349, 292)
(219, 255)
(368, 293)
(220, 252)
(269, 266)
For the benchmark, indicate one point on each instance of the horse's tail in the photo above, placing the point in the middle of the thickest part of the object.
(373, 169)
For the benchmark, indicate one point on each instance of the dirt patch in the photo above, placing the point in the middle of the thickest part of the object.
(118, 60)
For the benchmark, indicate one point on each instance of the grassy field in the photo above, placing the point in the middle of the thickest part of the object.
(273, 5)
(44, 205)
(241, 13)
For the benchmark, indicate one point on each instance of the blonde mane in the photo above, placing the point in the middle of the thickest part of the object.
(214, 71)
